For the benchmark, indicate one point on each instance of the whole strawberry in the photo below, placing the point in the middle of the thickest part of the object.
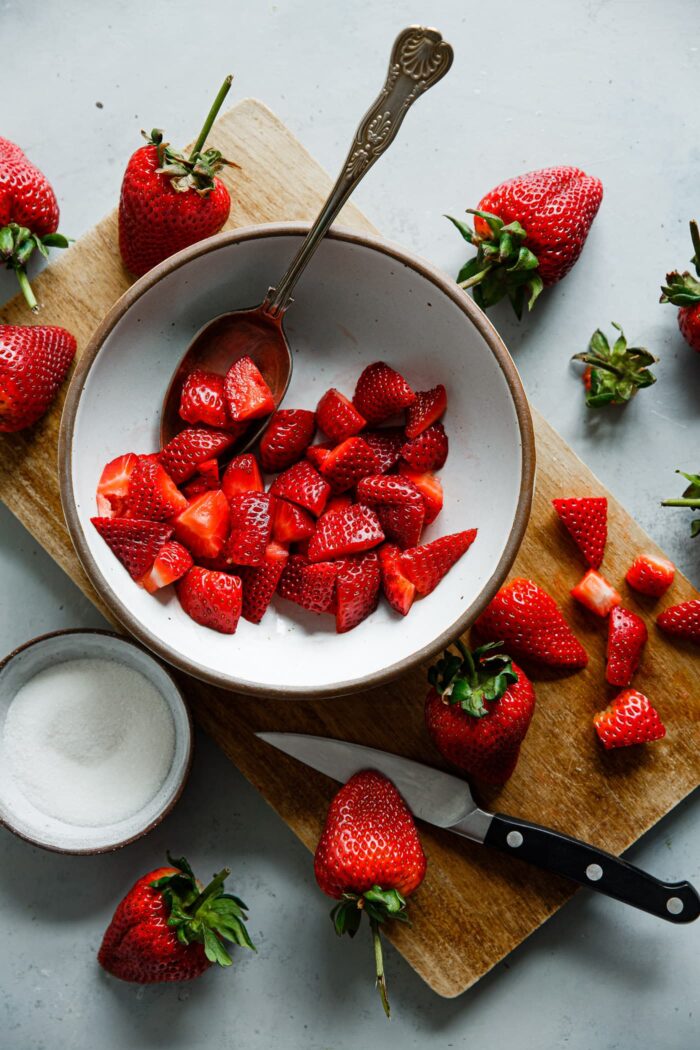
(34, 360)
(369, 858)
(529, 232)
(170, 928)
(478, 711)
(683, 290)
(169, 201)
(28, 215)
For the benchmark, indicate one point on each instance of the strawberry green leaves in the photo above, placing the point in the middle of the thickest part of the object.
(690, 498)
(470, 678)
(17, 245)
(682, 289)
(614, 374)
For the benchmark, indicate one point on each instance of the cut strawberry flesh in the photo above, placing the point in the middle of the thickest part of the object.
(209, 469)
(247, 394)
(343, 532)
(202, 399)
(290, 523)
(596, 593)
(302, 484)
(134, 542)
(204, 524)
(172, 561)
(398, 590)
(213, 599)
(242, 475)
(317, 454)
(337, 416)
(251, 527)
(429, 487)
(113, 486)
(428, 408)
(260, 582)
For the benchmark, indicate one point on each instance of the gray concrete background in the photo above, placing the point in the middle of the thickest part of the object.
(610, 86)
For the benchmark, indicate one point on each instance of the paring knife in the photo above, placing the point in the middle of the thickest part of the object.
(446, 802)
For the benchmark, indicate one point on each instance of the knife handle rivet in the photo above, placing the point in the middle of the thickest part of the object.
(674, 905)
(514, 839)
(594, 872)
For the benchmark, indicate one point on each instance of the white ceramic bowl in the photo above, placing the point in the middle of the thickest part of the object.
(360, 300)
(19, 814)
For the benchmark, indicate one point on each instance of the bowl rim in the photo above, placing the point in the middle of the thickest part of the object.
(473, 314)
(112, 847)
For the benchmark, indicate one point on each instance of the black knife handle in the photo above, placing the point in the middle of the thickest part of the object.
(674, 901)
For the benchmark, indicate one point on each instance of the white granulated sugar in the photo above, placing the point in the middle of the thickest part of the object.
(88, 741)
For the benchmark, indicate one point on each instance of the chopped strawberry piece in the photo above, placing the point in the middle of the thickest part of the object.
(596, 593)
(183, 454)
(429, 487)
(425, 566)
(381, 392)
(398, 589)
(204, 524)
(401, 523)
(629, 719)
(291, 580)
(586, 519)
(212, 599)
(318, 586)
(682, 620)
(347, 463)
(247, 394)
(197, 485)
(383, 488)
(135, 543)
(317, 454)
(152, 492)
(242, 475)
(172, 561)
(651, 574)
(202, 399)
(428, 451)
(345, 532)
(340, 502)
(290, 523)
(386, 445)
(209, 469)
(251, 527)
(338, 417)
(428, 408)
(356, 590)
(114, 485)
(399, 506)
(627, 635)
(260, 582)
(288, 435)
(302, 484)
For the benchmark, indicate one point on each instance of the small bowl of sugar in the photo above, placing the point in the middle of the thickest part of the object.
(95, 741)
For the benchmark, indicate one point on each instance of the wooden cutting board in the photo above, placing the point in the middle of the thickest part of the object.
(474, 907)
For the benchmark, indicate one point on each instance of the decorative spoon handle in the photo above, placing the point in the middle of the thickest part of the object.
(419, 58)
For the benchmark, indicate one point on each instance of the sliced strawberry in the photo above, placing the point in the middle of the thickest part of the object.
(398, 589)
(429, 487)
(242, 475)
(425, 566)
(152, 492)
(651, 574)
(399, 506)
(318, 586)
(209, 469)
(586, 519)
(212, 599)
(627, 635)
(183, 454)
(386, 445)
(204, 524)
(197, 485)
(340, 502)
(172, 561)
(202, 399)
(251, 527)
(345, 532)
(347, 463)
(381, 392)
(629, 719)
(136, 543)
(114, 485)
(428, 408)
(428, 451)
(302, 484)
(402, 524)
(246, 393)
(288, 435)
(383, 488)
(291, 580)
(596, 593)
(260, 582)
(356, 590)
(317, 454)
(682, 620)
(338, 417)
(290, 523)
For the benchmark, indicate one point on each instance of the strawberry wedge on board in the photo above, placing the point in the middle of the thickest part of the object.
(627, 636)
(586, 519)
(682, 621)
(629, 719)
(651, 574)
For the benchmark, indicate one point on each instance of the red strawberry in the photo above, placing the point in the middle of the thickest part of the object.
(386, 445)
(339, 502)
(398, 590)
(428, 451)
(291, 580)
(260, 582)
(682, 620)
(347, 463)
(199, 484)
(629, 719)
(528, 622)
(172, 561)
(204, 524)
(247, 394)
(428, 408)
(381, 392)
(425, 566)
(152, 492)
(291, 524)
(478, 711)
(317, 454)
(529, 232)
(338, 417)
(344, 532)
(586, 519)
(251, 527)
(627, 635)
(289, 433)
(135, 543)
(28, 215)
(318, 586)
(429, 487)
(399, 507)
(34, 360)
(356, 590)
(596, 593)
(242, 475)
(213, 599)
(369, 858)
(388, 489)
(402, 524)
(302, 484)
(169, 201)
(170, 928)
(683, 290)
(202, 399)
(183, 453)
(651, 574)
(209, 469)
(114, 485)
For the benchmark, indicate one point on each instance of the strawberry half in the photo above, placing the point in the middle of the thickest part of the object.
(586, 519)
(302, 484)
(202, 399)
(135, 543)
(428, 451)
(386, 445)
(213, 599)
(290, 523)
(398, 589)
(629, 719)
(682, 620)
(288, 435)
(425, 566)
(596, 593)
(347, 463)
(246, 393)
(651, 574)
(627, 635)
(318, 586)
(204, 524)
(428, 408)
(290, 583)
(381, 392)
(242, 475)
(345, 532)
(113, 486)
(356, 590)
(183, 454)
(152, 493)
(172, 561)
(251, 527)
(429, 487)
(260, 582)
(337, 416)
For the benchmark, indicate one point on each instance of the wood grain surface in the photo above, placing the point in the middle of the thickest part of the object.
(474, 907)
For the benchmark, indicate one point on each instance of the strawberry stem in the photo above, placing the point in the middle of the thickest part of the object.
(211, 117)
(680, 503)
(379, 966)
(26, 289)
(210, 890)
